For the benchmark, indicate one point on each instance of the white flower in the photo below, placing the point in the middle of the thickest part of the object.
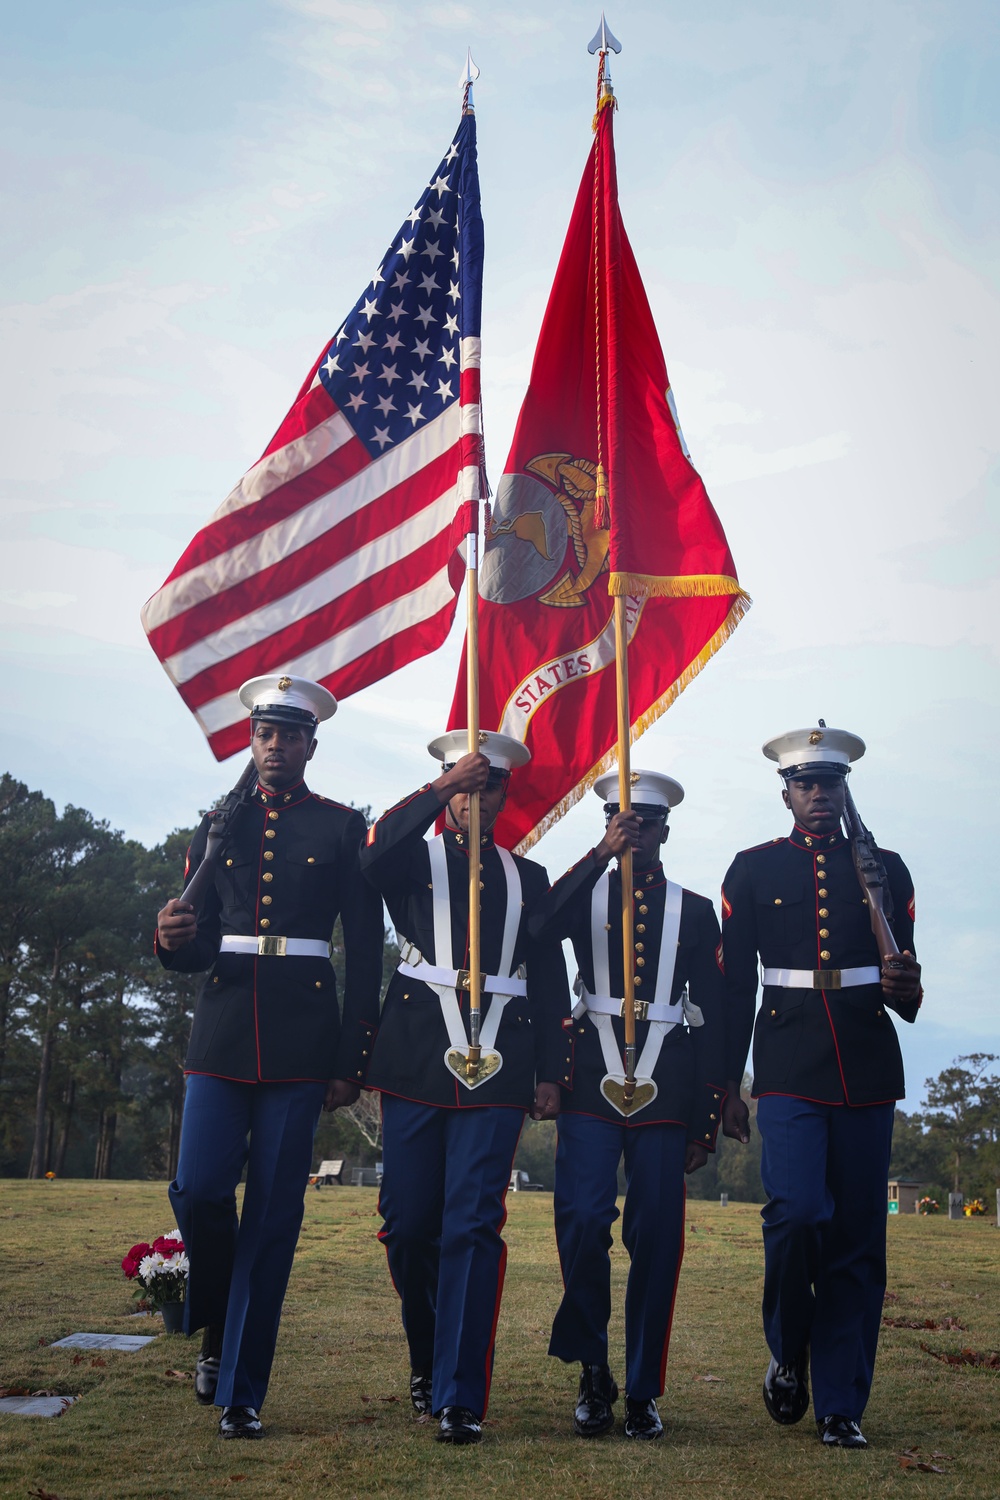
(177, 1262)
(172, 1234)
(149, 1266)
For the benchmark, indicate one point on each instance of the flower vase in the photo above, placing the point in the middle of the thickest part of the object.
(173, 1317)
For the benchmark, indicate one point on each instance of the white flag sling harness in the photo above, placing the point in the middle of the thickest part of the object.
(662, 1015)
(445, 978)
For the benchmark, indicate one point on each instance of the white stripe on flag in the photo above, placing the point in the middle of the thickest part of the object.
(333, 583)
(470, 353)
(276, 542)
(277, 468)
(400, 615)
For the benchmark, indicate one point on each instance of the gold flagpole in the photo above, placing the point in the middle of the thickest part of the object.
(472, 706)
(603, 43)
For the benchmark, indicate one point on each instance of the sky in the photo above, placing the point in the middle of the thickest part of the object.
(195, 195)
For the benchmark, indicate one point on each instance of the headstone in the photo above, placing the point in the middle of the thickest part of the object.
(723, 1200)
(103, 1341)
(35, 1406)
(955, 1201)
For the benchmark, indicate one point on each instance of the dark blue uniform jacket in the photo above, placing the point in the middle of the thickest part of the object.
(798, 903)
(289, 868)
(413, 1038)
(690, 1069)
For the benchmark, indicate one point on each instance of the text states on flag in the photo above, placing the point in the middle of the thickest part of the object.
(599, 398)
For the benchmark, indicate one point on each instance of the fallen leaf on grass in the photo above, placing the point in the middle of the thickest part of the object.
(891, 1297)
(946, 1324)
(990, 1359)
(41, 1494)
(710, 1379)
(14, 1390)
(45, 1393)
(178, 1374)
(236, 1478)
(98, 1364)
(388, 1398)
(908, 1462)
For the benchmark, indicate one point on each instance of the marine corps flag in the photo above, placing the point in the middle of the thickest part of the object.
(598, 498)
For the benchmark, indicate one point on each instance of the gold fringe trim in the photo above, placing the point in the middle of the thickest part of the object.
(681, 586)
(741, 603)
(603, 102)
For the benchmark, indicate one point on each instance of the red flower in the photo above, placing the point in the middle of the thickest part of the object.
(130, 1265)
(166, 1246)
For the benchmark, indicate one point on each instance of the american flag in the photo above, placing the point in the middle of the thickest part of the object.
(335, 557)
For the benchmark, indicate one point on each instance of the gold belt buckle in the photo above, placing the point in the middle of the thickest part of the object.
(826, 979)
(640, 1009)
(271, 947)
(464, 980)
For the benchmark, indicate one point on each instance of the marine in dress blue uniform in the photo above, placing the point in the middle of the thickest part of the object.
(268, 1046)
(672, 1122)
(448, 1141)
(827, 1071)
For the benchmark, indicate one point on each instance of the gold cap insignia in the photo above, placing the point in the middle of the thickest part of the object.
(815, 737)
(284, 683)
(483, 736)
(633, 777)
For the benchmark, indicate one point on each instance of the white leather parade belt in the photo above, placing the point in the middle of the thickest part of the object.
(822, 979)
(645, 1010)
(414, 966)
(267, 946)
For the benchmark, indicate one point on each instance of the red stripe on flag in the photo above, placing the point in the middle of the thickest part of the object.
(281, 579)
(325, 623)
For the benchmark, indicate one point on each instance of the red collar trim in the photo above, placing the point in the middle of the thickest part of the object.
(815, 843)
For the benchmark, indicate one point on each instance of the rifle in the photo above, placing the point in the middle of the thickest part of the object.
(873, 879)
(222, 821)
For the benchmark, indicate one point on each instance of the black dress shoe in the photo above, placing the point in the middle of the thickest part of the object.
(240, 1422)
(642, 1420)
(597, 1395)
(840, 1432)
(459, 1425)
(206, 1378)
(786, 1390)
(420, 1393)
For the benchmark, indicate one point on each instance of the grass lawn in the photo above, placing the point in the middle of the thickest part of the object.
(338, 1418)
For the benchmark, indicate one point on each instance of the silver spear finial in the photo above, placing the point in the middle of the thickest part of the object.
(604, 39)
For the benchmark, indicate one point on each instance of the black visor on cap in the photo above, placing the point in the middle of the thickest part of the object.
(817, 770)
(498, 775)
(644, 809)
(283, 713)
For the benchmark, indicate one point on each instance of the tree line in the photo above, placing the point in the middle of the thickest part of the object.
(93, 1031)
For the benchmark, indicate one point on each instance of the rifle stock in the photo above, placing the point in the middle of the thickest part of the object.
(222, 821)
(871, 875)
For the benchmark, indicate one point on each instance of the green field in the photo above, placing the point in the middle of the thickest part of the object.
(338, 1419)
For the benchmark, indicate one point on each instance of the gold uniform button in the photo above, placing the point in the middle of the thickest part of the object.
(319, 984)
(824, 932)
(267, 875)
(310, 860)
(774, 1012)
(264, 922)
(809, 842)
(823, 912)
(821, 859)
(637, 979)
(823, 891)
(640, 947)
(581, 1029)
(641, 927)
(481, 886)
(639, 895)
(269, 833)
(406, 996)
(287, 797)
(643, 910)
(641, 962)
(711, 1117)
(364, 1052)
(268, 853)
(273, 816)
(777, 900)
(824, 955)
(266, 900)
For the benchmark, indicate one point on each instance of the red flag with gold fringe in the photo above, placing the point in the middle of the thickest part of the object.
(598, 498)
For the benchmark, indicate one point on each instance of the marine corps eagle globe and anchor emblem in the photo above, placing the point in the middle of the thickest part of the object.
(532, 523)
